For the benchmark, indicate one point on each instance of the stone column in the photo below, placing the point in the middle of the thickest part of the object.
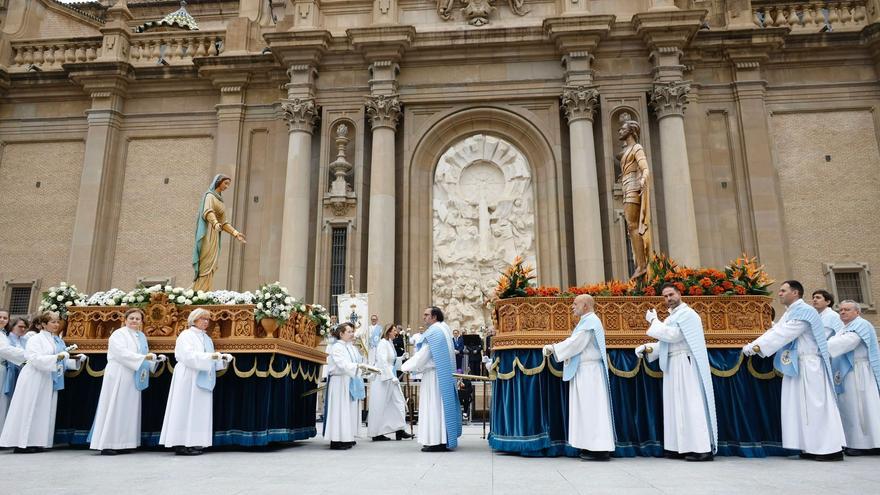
(383, 111)
(579, 103)
(669, 100)
(301, 115)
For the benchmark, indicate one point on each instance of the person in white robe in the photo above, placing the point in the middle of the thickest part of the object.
(823, 301)
(345, 388)
(585, 368)
(690, 429)
(12, 356)
(117, 424)
(439, 407)
(810, 417)
(387, 407)
(30, 422)
(189, 414)
(855, 357)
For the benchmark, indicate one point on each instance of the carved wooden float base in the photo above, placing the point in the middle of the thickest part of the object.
(532, 322)
(232, 329)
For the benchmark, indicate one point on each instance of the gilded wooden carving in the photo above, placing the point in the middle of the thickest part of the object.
(728, 321)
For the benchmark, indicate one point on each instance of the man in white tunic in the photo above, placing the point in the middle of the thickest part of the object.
(822, 301)
(189, 413)
(439, 408)
(855, 358)
(11, 357)
(374, 337)
(117, 424)
(689, 426)
(585, 368)
(810, 418)
(387, 412)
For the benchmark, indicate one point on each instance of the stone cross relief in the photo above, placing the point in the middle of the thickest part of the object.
(483, 218)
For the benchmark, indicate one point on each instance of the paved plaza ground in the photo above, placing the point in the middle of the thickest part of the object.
(389, 468)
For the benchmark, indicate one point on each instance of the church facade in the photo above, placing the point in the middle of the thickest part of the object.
(412, 148)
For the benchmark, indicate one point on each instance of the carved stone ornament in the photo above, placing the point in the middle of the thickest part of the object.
(477, 11)
(670, 98)
(532, 322)
(301, 114)
(383, 110)
(579, 102)
(340, 198)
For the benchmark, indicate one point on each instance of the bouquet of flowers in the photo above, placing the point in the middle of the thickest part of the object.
(321, 317)
(273, 301)
(515, 280)
(112, 297)
(60, 298)
(140, 296)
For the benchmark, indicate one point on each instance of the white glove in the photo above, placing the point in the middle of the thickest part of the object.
(63, 355)
(82, 358)
(748, 349)
(548, 350)
(150, 356)
(651, 315)
(640, 350)
(405, 355)
(161, 358)
(487, 360)
(227, 357)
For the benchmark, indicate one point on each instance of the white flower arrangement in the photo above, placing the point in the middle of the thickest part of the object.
(60, 298)
(271, 302)
(112, 297)
(321, 317)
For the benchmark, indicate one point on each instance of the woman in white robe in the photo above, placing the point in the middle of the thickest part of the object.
(11, 358)
(30, 423)
(189, 413)
(344, 389)
(117, 424)
(387, 408)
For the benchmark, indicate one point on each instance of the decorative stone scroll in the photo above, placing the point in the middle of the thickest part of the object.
(301, 114)
(728, 321)
(232, 329)
(383, 110)
(670, 98)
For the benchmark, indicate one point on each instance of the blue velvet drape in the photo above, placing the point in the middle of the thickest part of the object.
(252, 411)
(530, 413)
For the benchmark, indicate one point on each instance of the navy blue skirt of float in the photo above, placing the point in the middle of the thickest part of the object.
(530, 405)
(257, 400)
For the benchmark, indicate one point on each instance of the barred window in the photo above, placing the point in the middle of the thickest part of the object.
(850, 281)
(20, 300)
(338, 241)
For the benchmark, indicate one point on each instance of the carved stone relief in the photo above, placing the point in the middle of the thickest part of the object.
(483, 217)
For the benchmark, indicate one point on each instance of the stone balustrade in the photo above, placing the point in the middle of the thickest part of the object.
(51, 54)
(811, 16)
(174, 47)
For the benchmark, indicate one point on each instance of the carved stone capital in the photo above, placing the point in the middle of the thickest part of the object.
(579, 102)
(301, 114)
(670, 98)
(383, 110)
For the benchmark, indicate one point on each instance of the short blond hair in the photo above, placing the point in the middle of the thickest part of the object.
(196, 314)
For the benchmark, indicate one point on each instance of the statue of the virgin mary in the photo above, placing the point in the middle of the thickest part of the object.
(212, 220)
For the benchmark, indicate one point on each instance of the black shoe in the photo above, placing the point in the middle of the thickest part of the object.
(339, 445)
(435, 448)
(858, 452)
(699, 457)
(402, 435)
(836, 456)
(590, 455)
(109, 452)
(27, 450)
(807, 456)
(381, 438)
(670, 454)
(188, 451)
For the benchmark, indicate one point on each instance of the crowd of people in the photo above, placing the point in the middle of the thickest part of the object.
(830, 400)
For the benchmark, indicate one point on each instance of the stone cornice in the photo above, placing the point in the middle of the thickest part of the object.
(578, 33)
(382, 42)
(670, 29)
(301, 46)
(101, 77)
